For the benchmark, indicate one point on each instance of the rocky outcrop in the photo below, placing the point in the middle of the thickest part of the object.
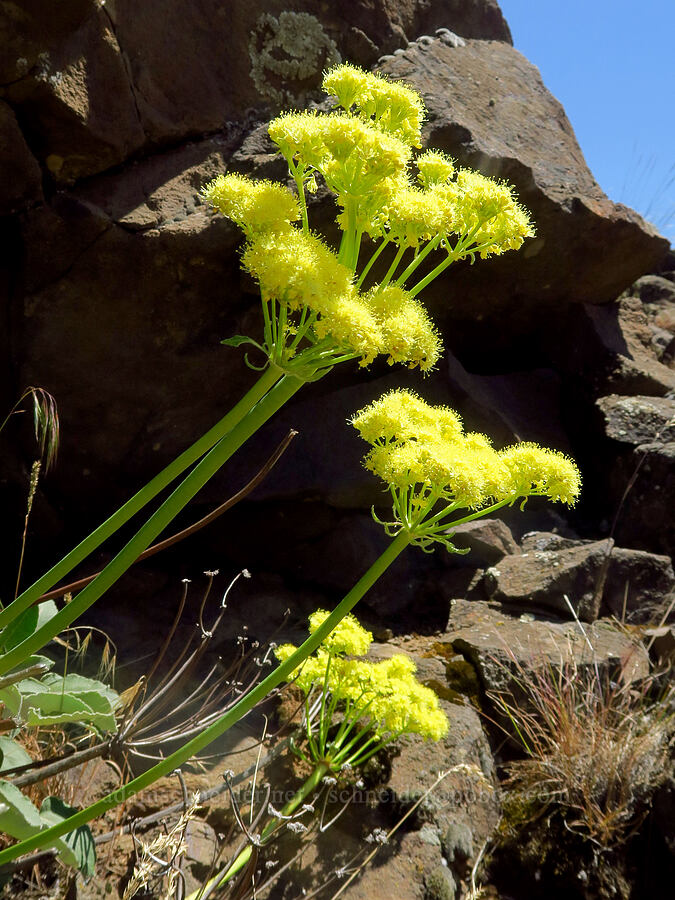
(505, 648)
(105, 81)
(592, 577)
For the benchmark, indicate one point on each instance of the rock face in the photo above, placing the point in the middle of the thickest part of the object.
(502, 646)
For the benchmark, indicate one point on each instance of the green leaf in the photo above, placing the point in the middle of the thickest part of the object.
(238, 339)
(20, 819)
(36, 660)
(26, 624)
(12, 754)
(55, 700)
(10, 697)
(77, 848)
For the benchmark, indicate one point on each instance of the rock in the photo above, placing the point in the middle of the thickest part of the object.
(466, 796)
(661, 644)
(658, 298)
(609, 349)
(653, 289)
(202, 845)
(515, 406)
(28, 32)
(635, 475)
(78, 104)
(645, 518)
(104, 80)
(502, 646)
(22, 179)
(638, 420)
(488, 541)
(488, 108)
(630, 583)
(458, 844)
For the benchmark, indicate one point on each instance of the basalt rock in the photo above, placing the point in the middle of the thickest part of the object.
(646, 515)
(106, 80)
(610, 349)
(595, 577)
(635, 471)
(21, 179)
(503, 646)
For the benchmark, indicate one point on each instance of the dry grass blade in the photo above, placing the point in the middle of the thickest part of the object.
(596, 749)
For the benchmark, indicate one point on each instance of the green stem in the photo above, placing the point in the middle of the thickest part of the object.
(477, 515)
(219, 727)
(371, 262)
(298, 173)
(441, 267)
(272, 826)
(197, 478)
(392, 268)
(414, 263)
(266, 381)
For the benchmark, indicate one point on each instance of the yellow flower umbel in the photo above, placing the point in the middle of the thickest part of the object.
(433, 469)
(375, 703)
(315, 317)
(315, 311)
(254, 205)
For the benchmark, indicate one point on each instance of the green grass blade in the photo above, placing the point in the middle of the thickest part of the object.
(187, 489)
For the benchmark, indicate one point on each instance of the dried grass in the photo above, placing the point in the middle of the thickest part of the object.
(596, 749)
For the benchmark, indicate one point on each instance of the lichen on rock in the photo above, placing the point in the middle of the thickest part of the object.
(288, 55)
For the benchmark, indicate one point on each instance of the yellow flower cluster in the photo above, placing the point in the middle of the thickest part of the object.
(298, 269)
(392, 106)
(349, 636)
(434, 168)
(253, 205)
(408, 334)
(488, 208)
(388, 692)
(352, 155)
(419, 446)
(478, 210)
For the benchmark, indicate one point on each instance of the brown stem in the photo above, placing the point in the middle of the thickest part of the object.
(191, 529)
(40, 773)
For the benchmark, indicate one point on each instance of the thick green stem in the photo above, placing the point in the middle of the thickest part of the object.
(197, 478)
(139, 500)
(233, 715)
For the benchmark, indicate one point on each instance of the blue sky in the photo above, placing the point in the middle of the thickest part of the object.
(610, 64)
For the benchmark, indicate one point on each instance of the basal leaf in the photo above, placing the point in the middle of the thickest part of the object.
(76, 848)
(12, 754)
(26, 624)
